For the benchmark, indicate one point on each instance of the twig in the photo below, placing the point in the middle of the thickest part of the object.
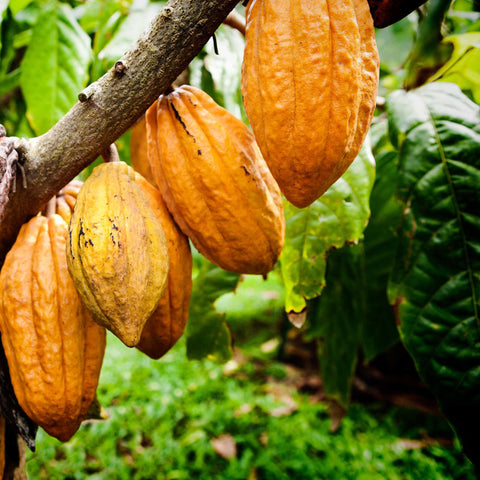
(236, 21)
(111, 154)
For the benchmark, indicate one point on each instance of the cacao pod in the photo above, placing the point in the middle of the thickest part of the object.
(215, 182)
(167, 323)
(65, 200)
(53, 347)
(138, 150)
(309, 84)
(117, 251)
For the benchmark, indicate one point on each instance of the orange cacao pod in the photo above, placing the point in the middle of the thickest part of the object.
(53, 347)
(309, 85)
(167, 323)
(215, 182)
(117, 251)
(138, 150)
(65, 200)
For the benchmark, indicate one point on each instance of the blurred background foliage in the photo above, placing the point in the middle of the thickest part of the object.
(341, 298)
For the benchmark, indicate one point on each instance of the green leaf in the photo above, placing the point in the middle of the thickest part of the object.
(207, 335)
(436, 278)
(7, 48)
(379, 331)
(120, 33)
(54, 68)
(94, 14)
(463, 67)
(9, 81)
(339, 216)
(336, 320)
(17, 5)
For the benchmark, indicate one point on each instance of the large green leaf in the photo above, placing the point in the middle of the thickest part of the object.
(336, 320)
(353, 310)
(207, 334)
(339, 216)
(436, 279)
(54, 69)
(379, 331)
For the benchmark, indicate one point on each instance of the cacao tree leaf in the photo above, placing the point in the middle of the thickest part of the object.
(17, 5)
(379, 331)
(435, 282)
(54, 68)
(207, 335)
(339, 216)
(93, 15)
(335, 319)
(121, 32)
(463, 67)
(9, 81)
(7, 47)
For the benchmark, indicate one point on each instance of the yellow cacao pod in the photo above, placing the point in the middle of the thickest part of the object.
(167, 323)
(309, 85)
(53, 347)
(215, 182)
(117, 251)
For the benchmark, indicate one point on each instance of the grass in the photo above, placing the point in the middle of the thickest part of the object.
(163, 416)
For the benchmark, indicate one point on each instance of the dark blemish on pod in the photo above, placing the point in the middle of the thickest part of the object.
(80, 233)
(179, 118)
(71, 249)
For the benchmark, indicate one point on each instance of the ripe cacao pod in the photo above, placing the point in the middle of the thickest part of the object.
(167, 323)
(65, 200)
(53, 347)
(138, 150)
(117, 251)
(215, 182)
(304, 90)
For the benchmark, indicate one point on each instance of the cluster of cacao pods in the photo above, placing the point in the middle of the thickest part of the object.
(199, 175)
(205, 181)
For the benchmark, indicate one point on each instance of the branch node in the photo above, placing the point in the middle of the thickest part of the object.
(120, 68)
(167, 12)
(88, 92)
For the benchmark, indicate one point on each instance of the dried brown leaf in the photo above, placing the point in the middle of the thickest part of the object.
(225, 446)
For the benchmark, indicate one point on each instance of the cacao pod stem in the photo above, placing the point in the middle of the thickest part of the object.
(388, 12)
(110, 154)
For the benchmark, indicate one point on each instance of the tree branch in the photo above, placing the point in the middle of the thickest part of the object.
(110, 106)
